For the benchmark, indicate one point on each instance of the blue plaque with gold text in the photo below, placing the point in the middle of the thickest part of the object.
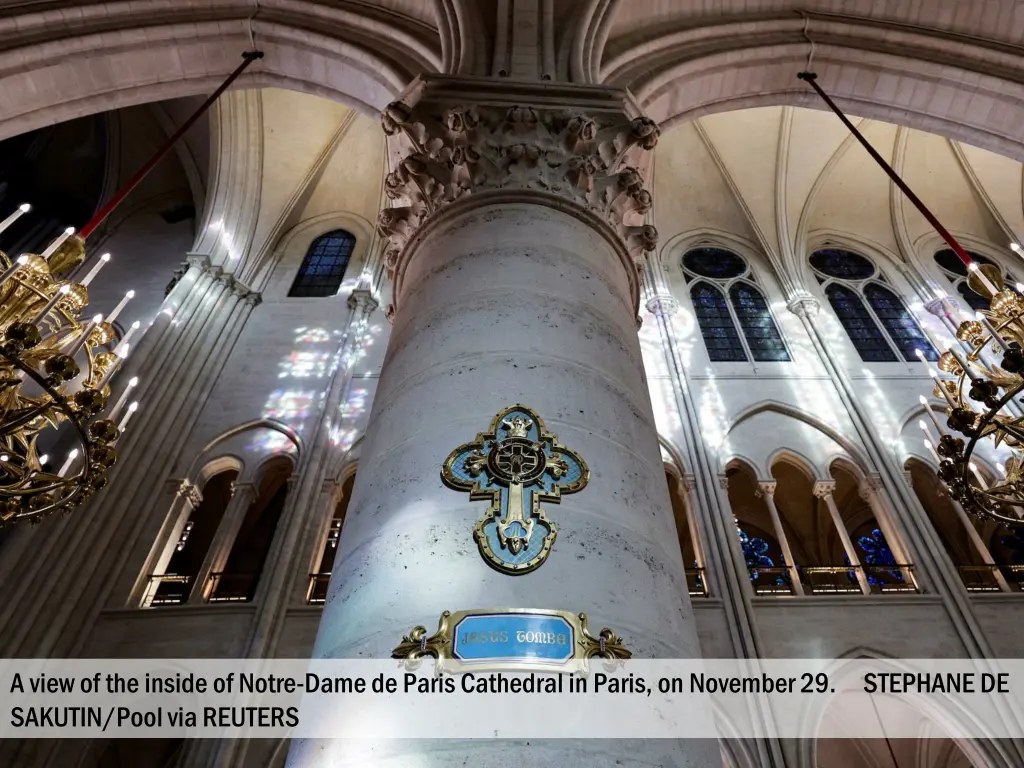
(511, 638)
(514, 637)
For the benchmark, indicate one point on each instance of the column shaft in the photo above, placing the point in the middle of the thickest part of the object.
(767, 490)
(824, 491)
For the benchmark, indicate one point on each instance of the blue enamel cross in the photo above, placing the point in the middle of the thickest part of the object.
(516, 465)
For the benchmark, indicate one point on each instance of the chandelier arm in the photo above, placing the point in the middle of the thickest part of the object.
(973, 496)
(15, 424)
(77, 423)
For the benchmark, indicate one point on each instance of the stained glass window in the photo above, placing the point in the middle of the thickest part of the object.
(876, 552)
(956, 271)
(759, 328)
(902, 328)
(859, 324)
(732, 313)
(716, 324)
(324, 266)
(755, 553)
(845, 265)
(865, 307)
(716, 263)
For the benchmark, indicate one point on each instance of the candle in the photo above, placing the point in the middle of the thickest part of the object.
(924, 428)
(84, 336)
(941, 387)
(123, 398)
(103, 260)
(131, 409)
(988, 327)
(122, 353)
(973, 267)
(9, 272)
(1015, 247)
(931, 450)
(67, 464)
(962, 363)
(21, 211)
(121, 305)
(58, 242)
(51, 303)
(134, 327)
(931, 414)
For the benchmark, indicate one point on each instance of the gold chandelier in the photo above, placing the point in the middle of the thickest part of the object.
(981, 400)
(55, 374)
(56, 366)
(981, 395)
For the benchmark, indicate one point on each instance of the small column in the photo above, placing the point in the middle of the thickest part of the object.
(242, 496)
(869, 491)
(979, 544)
(187, 497)
(824, 489)
(766, 490)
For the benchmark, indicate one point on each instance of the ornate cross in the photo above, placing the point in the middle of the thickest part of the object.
(516, 465)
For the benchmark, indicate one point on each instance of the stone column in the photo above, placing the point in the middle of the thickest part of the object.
(187, 498)
(979, 544)
(870, 490)
(513, 231)
(766, 489)
(824, 489)
(242, 497)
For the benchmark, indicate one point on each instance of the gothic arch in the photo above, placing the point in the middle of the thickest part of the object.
(805, 466)
(247, 471)
(308, 230)
(137, 53)
(983, 753)
(760, 264)
(896, 69)
(856, 455)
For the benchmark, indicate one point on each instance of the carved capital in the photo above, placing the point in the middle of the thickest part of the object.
(766, 488)
(450, 139)
(804, 306)
(190, 493)
(723, 481)
(824, 488)
(362, 299)
(688, 483)
(943, 307)
(244, 489)
(870, 486)
(662, 305)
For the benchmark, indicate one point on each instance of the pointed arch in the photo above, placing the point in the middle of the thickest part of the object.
(790, 410)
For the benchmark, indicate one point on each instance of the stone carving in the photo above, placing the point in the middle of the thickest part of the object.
(824, 488)
(190, 493)
(443, 153)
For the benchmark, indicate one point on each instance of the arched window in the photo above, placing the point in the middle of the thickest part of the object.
(319, 580)
(865, 305)
(956, 271)
(240, 575)
(732, 313)
(176, 575)
(323, 269)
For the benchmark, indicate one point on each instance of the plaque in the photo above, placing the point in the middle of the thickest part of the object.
(511, 639)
